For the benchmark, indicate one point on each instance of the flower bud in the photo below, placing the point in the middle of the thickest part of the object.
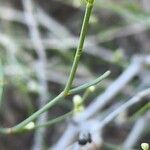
(92, 88)
(30, 126)
(145, 146)
(78, 104)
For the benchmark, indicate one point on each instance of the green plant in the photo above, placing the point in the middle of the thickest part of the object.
(67, 90)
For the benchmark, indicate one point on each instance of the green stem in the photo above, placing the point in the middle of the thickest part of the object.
(21, 125)
(54, 121)
(141, 111)
(86, 85)
(79, 50)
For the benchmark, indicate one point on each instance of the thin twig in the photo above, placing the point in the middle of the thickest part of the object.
(79, 51)
(113, 89)
(137, 98)
(19, 127)
(41, 70)
(54, 121)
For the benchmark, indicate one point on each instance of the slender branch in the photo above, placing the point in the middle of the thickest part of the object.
(79, 51)
(140, 112)
(86, 85)
(40, 70)
(137, 98)
(54, 121)
(21, 125)
(132, 70)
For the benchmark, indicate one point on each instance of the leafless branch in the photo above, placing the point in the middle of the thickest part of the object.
(40, 69)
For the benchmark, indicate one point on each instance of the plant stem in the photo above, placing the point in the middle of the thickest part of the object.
(21, 125)
(141, 111)
(86, 85)
(54, 121)
(79, 50)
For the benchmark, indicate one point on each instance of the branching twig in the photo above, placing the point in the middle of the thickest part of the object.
(19, 127)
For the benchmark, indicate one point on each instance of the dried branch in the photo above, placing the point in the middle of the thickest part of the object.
(40, 69)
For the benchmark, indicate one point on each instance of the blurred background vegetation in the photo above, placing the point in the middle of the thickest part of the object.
(119, 31)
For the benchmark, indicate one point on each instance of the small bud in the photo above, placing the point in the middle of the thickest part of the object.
(77, 100)
(145, 146)
(92, 88)
(78, 104)
(30, 126)
(118, 55)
